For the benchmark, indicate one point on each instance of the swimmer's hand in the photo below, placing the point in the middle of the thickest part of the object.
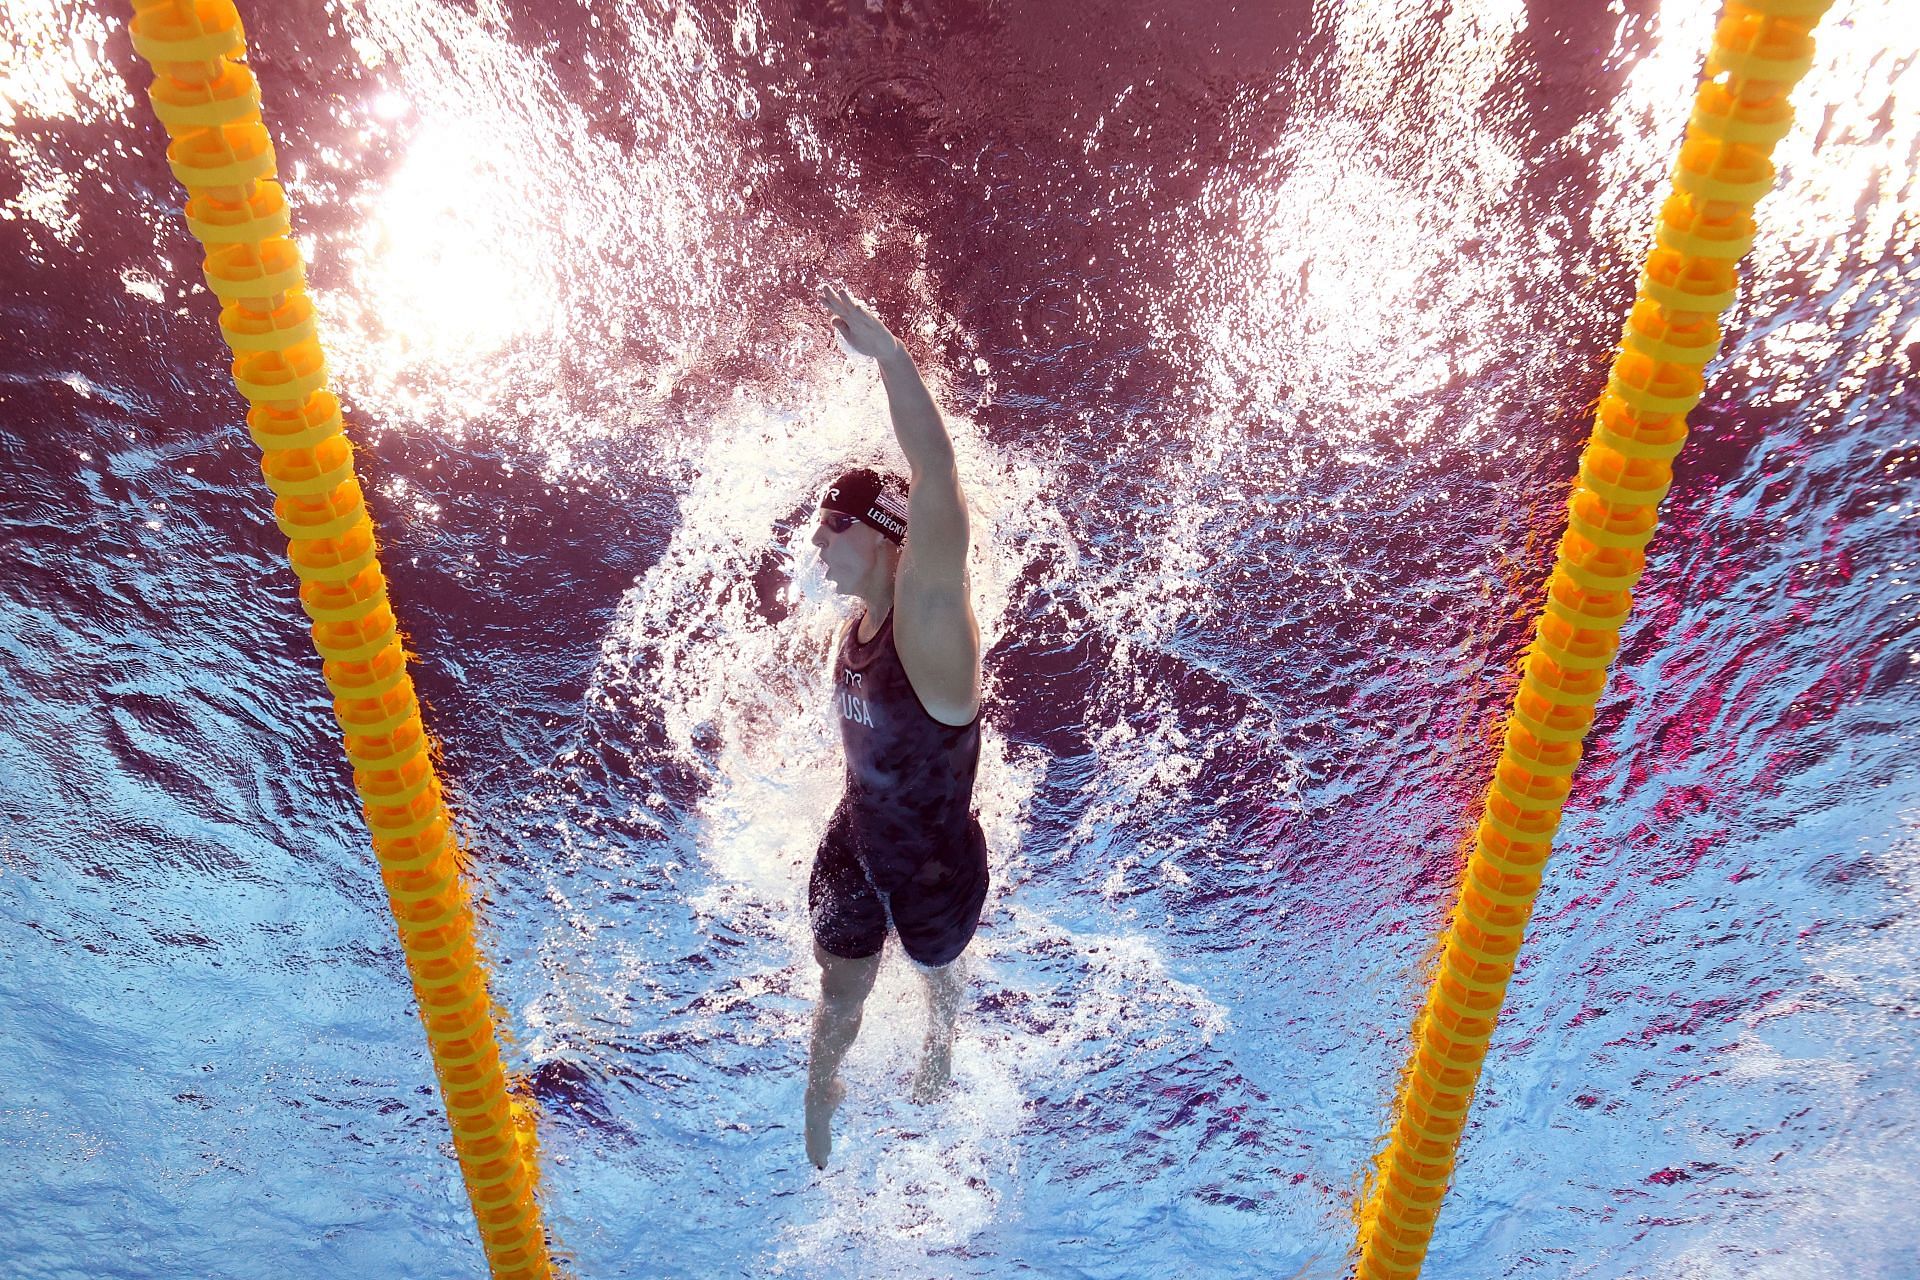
(857, 328)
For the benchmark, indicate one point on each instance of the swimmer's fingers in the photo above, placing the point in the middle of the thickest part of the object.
(837, 302)
(841, 303)
(859, 326)
(845, 309)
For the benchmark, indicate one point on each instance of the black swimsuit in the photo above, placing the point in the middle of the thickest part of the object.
(904, 841)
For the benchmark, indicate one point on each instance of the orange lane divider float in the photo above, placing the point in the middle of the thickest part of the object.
(209, 103)
(1761, 49)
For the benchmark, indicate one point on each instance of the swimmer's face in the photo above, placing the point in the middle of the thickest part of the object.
(850, 550)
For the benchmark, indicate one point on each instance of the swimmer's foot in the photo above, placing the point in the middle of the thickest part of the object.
(936, 1068)
(821, 1104)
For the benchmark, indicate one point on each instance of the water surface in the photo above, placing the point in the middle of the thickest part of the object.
(1267, 336)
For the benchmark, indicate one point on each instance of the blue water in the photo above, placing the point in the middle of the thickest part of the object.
(1266, 336)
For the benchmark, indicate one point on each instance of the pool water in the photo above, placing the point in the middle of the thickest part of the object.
(1267, 335)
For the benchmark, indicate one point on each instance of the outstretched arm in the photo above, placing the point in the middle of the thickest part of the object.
(934, 627)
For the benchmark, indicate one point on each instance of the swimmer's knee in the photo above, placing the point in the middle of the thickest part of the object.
(844, 979)
(942, 974)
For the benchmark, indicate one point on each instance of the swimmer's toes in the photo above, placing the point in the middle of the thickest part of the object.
(819, 1130)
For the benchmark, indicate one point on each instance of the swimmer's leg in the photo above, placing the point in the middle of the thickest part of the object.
(946, 986)
(844, 986)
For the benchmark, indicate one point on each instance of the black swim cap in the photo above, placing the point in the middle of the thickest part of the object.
(872, 499)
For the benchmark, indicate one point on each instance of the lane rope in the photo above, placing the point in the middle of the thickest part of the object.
(209, 103)
(1760, 51)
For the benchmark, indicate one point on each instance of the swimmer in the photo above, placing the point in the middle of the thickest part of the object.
(903, 849)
